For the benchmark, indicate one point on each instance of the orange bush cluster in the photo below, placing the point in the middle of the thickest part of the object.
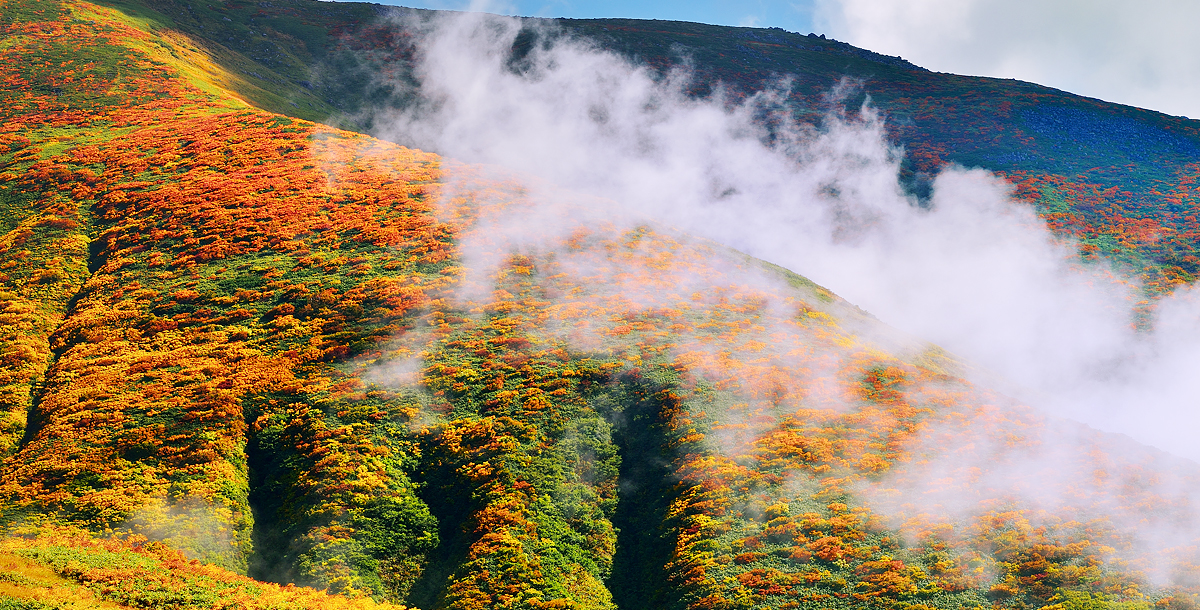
(1153, 235)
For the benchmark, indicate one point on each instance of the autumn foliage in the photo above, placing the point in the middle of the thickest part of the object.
(238, 342)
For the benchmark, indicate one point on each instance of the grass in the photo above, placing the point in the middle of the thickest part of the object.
(26, 584)
(68, 569)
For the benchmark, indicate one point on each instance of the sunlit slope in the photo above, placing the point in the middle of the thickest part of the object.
(58, 569)
(317, 358)
(124, 385)
(69, 81)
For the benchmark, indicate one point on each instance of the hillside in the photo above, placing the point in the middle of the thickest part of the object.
(1120, 180)
(301, 354)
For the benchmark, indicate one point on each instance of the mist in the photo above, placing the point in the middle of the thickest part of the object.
(971, 270)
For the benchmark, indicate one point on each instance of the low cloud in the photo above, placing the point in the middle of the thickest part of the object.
(1143, 54)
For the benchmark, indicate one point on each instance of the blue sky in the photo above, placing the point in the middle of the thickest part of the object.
(1143, 53)
(793, 16)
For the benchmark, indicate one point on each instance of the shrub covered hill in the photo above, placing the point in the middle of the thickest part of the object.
(244, 350)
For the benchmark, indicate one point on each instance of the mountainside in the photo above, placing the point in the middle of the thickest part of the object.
(302, 354)
(1121, 180)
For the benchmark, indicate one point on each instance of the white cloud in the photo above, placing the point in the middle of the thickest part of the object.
(1143, 54)
(749, 21)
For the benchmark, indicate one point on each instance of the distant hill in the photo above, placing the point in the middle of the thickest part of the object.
(295, 352)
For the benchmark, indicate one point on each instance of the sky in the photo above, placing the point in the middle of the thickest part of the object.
(1141, 53)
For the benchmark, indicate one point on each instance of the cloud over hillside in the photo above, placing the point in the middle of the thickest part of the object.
(971, 270)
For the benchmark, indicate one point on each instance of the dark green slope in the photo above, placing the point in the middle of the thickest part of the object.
(976, 120)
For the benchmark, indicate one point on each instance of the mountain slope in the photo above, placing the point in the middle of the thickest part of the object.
(314, 357)
(1118, 179)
